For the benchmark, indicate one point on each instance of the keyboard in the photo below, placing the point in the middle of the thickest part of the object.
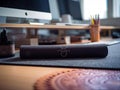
(36, 23)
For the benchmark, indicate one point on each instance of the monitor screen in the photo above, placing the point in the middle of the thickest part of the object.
(37, 9)
(71, 7)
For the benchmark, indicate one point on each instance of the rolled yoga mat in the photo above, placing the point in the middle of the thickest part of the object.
(63, 51)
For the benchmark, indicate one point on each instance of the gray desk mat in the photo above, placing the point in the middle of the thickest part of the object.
(112, 61)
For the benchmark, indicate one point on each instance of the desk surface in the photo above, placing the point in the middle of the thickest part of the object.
(13, 77)
(34, 78)
(22, 77)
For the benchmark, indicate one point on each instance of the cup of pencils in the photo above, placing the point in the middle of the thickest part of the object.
(95, 29)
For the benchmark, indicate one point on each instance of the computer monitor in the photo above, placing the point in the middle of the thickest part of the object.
(33, 9)
(71, 7)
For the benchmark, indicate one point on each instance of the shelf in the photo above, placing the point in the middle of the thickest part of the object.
(93, 28)
(58, 27)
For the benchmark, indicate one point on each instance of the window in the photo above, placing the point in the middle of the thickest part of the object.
(92, 7)
(116, 8)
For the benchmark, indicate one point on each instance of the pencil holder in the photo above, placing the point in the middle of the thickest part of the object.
(95, 33)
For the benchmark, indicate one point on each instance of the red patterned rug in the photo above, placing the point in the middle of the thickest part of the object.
(80, 79)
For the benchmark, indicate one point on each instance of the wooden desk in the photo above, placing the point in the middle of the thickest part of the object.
(27, 77)
(22, 77)
(55, 27)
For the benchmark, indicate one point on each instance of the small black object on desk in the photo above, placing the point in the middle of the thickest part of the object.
(7, 48)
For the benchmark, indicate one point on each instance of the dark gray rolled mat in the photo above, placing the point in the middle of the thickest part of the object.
(63, 51)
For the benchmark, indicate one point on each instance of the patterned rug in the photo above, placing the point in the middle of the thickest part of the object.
(80, 79)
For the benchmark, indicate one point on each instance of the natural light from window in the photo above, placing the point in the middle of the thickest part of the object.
(93, 7)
